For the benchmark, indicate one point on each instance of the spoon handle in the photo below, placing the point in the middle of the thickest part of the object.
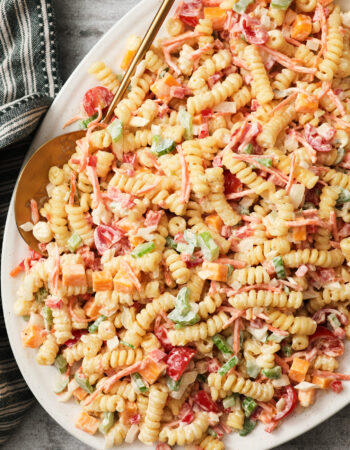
(144, 47)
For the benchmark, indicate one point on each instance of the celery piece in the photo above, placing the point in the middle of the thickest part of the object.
(228, 365)
(182, 302)
(127, 344)
(241, 6)
(84, 383)
(344, 196)
(280, 4)
(248, 406)
(162, 146)
(47, 315)
(41, 295)
(274, 374)
(142, 249)
(230, 401)
(94, 327)
(172, 384)
(208, 246)
(253, 369)
(107, 422)
(61, 364)
(85, 122)
(74, 242)
(140, 384)
(115, 129)
(186, 121)
(279, 267)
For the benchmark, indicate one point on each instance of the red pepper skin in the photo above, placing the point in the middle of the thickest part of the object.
(178, 360)
(337, 386)
(77, 335)
(97, 97)
(321, 332)
(205, 402)
(161, 333)
(291, 398)
(191, 12)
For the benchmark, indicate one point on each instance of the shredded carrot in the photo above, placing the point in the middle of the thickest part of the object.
(281, 362)
(83, 145)
(305, 222)
(56, 271)
(185, 181)
(335, 99)
(326, 374)
(73, 184)
(16, 270)
(284, 102)
(181, 38)
(71, 304)
(292, 41)
(322, 14)
(333, 221)
(201, 51)
(236, 195)
(98, 118)
(308, 147)
(251, 219)
(151, 156)
(34, 210)
(340, 122)
(291, 173)
(146, 189)
(295, 286)
(72, 120)
(253, 159)
(169, 61)
(325, 88)
(334, 244)
(287, 62)
(92, 175)
(277, 330)
(132, 274)
(234, 263)
(236, 345)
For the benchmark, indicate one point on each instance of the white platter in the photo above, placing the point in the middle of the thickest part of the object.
(41, 379)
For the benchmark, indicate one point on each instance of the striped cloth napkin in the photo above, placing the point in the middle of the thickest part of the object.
(29, 81)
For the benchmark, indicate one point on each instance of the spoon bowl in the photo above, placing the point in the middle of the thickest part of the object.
(33, 179)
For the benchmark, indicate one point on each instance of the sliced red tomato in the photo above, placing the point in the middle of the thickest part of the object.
(178, 360)
(205, 402)
(289, 395)
(232, 183)
(191, 12)
(96, 97)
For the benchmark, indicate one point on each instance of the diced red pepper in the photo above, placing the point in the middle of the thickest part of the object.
(232, 183)
(97, 98)
(191, 12)
(77, 335)
(178, 360)
(205, 402)
(337, 386)
(253, 31)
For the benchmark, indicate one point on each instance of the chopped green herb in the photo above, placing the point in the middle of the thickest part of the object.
(343, 197)
(85, 122)
(248, 406)
(41, 295)
(142, 249)
(222, 344)
(127, 344)
(172, 384)
(162, 146)
(140, 384)
(228, 365)
(274, 374)
(248, 427)
(94, 327)
(279, 267)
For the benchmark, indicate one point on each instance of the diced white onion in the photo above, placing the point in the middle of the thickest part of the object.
(156, 130)
(313, 44)
(36, 320)
(72, 385)
(132, 434)
(112, 343)
(27, 226)
(345, 18)
(296, 194)
(187, 379)
(226, 107)
(282, 381)
(280, 404)
(324, 130)
(138, 122)
(236, 285)
(258, 333)
(306, 386)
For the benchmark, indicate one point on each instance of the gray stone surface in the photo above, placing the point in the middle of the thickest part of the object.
(80, 24)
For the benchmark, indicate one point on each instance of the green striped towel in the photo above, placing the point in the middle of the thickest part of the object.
(29, 81)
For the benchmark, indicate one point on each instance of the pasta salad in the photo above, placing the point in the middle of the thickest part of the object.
(197, 278)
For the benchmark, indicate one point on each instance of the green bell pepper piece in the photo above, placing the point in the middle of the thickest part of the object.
(84, 383)
(228, 365)
(208, 246)
(274, 374)
(142, 249)
(94, 327)
(115, 129)
(74, 242)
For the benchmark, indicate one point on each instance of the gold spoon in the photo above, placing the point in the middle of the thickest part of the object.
(57, 151)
